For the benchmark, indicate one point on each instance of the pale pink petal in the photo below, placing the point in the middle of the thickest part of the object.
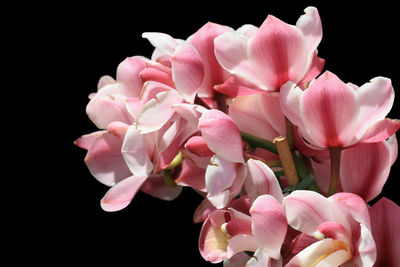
(106, 108)
(212, 241)
(104, 80)
(329, 110)
(316, 252)
(220, 175)
(240, 243)
(85, 141)
(104, 159)
(203, 211)
(187, 71)
(231, 53)
(310, 25)
(365, 168)
(393, 148)
(367, 250)
(269, 224)
(203, 41)
(133, 106)
(118, 129)
(290, 97)
(156, 187)
(380, 131)
(278, 53)
(247, 30)
(192, 176)
(128, 75)
(315, 68)
(222, 135)
(272, 111)
(151, 89)
(189, 112)
(375, 101)
(262, 259)
(306, 210)
(157, 111)
(136, 153)
(235, 86)
(121, 194)
(385, 221)
(163, 42)
(261, 180)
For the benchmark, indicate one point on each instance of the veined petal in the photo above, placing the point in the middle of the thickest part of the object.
(187, 71)
(261, 180)
(157, 111)
(222, 135)
(269, 224)
(278, 53)
(329, 111)
(120, 195)
(385, 221)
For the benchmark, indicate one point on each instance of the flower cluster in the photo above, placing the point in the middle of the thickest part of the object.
(286, 156)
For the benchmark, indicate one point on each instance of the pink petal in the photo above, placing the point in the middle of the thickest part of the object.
(104, 159)
(212, 241)
(240, 243)
(380, 131)
(365, 168)
(238, 260)
(157, 111)
(121, 194)
(310, 25)
(316, 66)
(203, 211)
(135, 150)
(367, 251)
(190, 112)
(375, 101)
(151, 89)
(187, 71)
(133, 106)
(235, 86)
(278, 53)
(164, 42)
(85, 141)
(192, 176)
(220, 175)
(156, 187)
(290, 97)
(385, 221)
(261, 180)
(153, 74)
(329, 111)
(222, 135)
(128, 75)
(269, 224)
(105, 80)
(231, 53)
(198, 146)
(203, 41)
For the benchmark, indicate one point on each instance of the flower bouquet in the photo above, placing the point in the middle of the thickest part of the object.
(285, 155)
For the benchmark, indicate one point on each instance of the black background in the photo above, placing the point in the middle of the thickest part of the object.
(75, 45)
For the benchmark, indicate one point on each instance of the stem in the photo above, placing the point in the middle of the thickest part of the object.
(255, 142)
(335, 154)
(285, 154)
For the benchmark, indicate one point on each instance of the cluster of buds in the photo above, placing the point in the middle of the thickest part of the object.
(286, 156)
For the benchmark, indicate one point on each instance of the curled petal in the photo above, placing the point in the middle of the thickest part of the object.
(163, 42)
(381, 130)
(128, 75)
(311, 27)
(120, 195)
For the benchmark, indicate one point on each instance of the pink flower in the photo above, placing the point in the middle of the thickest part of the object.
(385, 221)
(332, 114)
(277, 52)
(341, 223)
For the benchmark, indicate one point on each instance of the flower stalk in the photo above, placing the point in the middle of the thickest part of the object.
(335, 154)
(285, 155)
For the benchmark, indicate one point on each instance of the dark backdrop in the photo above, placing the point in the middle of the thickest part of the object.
(85, 42)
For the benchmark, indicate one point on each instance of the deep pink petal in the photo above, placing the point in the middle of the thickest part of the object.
(187, 71)
(269, 224)
(222, 135)
(329, 111)
(192, 176)
(198, 146)
(385, 221)
(120, 195)
(261, 180)
(153, 74)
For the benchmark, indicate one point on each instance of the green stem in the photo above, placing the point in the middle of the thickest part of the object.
(335, 154)
(255, 142)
